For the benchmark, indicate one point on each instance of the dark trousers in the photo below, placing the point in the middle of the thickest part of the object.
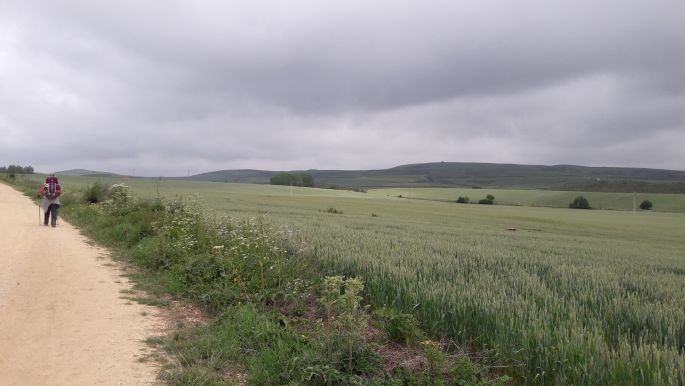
(52, 210)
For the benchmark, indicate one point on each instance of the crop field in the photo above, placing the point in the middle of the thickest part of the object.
(547, 198)
(560, 296)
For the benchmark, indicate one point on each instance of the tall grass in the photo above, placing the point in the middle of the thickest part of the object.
(582, 310)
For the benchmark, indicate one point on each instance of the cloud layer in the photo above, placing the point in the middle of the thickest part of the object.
(169, 86)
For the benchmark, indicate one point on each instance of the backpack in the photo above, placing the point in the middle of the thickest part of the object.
(52, 188)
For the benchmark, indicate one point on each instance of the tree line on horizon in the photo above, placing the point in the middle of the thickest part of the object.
(294, 179)
(16, 169)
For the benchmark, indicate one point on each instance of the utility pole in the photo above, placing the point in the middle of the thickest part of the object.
(633, 203)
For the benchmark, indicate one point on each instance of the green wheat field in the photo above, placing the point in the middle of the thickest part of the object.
(581, 296)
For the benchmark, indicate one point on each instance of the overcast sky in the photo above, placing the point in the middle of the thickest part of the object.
(167, 86)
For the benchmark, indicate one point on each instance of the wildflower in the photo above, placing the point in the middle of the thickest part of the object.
(430, 343)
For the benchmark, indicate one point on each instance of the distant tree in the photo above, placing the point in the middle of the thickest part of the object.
(646, 205)
(294, 179)
(16, 169)
(463, 200)
(488, 200)
(580, 202)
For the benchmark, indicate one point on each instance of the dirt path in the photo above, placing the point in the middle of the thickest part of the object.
(63, 320)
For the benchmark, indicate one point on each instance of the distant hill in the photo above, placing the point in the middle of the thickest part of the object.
(458, 174)
(84, 172)
(239, 175)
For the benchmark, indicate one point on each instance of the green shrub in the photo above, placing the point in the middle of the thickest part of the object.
(463, 200)
(97, 192)
(580, 202)
(400, 327)
(345, 346)
(646, 205)
(488, 200)
(333, 210)
(350, 354)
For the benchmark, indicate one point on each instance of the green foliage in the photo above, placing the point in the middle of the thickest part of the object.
(580, 202)
(97, 192)
(345, 346)
(463, 200)
(400, 327)
(488, 200)
(646, 205)
(16, 169)
(443, 369)
(334, 211)
(294, 179)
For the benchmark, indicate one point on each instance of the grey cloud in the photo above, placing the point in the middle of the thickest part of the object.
(299, 84)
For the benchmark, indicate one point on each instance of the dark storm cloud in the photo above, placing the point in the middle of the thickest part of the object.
(163, 87)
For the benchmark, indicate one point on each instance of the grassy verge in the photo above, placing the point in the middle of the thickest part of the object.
(276, 319)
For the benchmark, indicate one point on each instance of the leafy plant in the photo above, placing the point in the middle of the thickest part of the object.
(580, 202)
(488, 200)
(646, 205)
(400, 327)
(97, 192)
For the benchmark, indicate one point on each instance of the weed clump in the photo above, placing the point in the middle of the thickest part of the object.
(400, 327)
(97, 192)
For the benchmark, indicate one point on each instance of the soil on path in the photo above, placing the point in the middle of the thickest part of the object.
(63, 317)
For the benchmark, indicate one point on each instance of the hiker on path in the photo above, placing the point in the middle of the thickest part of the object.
(50, 193)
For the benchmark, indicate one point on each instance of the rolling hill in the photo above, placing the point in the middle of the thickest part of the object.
(457, 174)
(85, 173)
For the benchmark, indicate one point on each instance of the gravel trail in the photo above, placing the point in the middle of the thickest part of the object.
(63, 316)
